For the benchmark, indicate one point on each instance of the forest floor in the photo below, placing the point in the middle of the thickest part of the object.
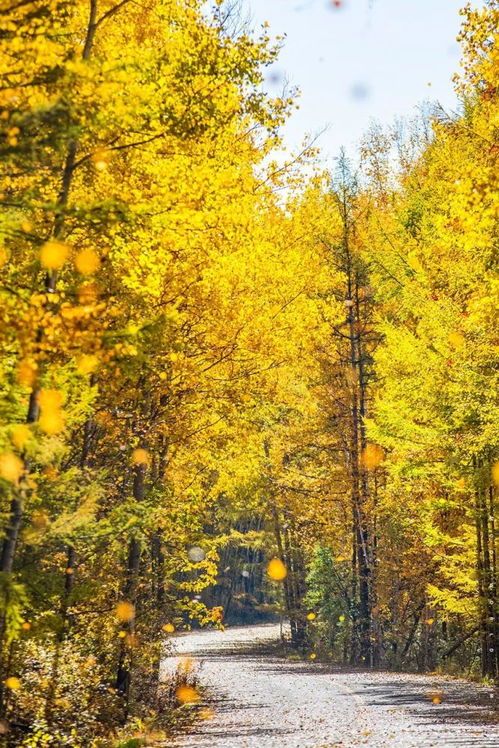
(261, 699)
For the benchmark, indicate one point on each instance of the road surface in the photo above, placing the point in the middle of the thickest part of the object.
(262, 700)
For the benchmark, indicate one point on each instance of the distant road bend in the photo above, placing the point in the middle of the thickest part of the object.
(261, 701)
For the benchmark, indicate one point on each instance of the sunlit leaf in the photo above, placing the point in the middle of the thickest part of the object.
(54, 254)
(11, 467)
(276, 570)
(125, 611)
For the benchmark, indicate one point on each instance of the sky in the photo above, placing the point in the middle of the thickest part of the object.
(358, 60)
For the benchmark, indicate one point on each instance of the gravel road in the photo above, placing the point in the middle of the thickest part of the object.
(261, 700)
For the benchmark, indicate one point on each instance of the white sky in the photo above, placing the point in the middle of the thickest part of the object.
(367, 59)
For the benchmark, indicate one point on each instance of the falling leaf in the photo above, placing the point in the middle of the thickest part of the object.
(87, 363)
(20, 435)
(313, 656)
(429, 621)
(50, 399)
(140, 457)
(311, 616)
(87, 262)
(11, 467)
(372, 456)
(125, 611)
(54, 254)
(52, 422)
(276, 570)
(26, 373)
(169, 628)
(26, 625)
(435, 696)
(14, 684)
(187, 695)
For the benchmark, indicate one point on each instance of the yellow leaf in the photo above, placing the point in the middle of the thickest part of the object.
(206, 714)
(50, 399)
(54, 254)
(52, 422)
(11, 467)
(87, 262)
(187, 695)
(13, 683)
(311, 616)
(276, 570)
(140, 457)
(169, 628)
(20, 435)
(372, 456)
(87, 364)
(26, 373)
(125, 611)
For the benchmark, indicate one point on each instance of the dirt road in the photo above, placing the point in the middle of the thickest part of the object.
(261, 700)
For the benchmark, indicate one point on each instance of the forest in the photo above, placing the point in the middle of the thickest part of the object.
(234, 387)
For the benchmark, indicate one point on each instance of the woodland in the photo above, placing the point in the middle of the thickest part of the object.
(232, 387)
